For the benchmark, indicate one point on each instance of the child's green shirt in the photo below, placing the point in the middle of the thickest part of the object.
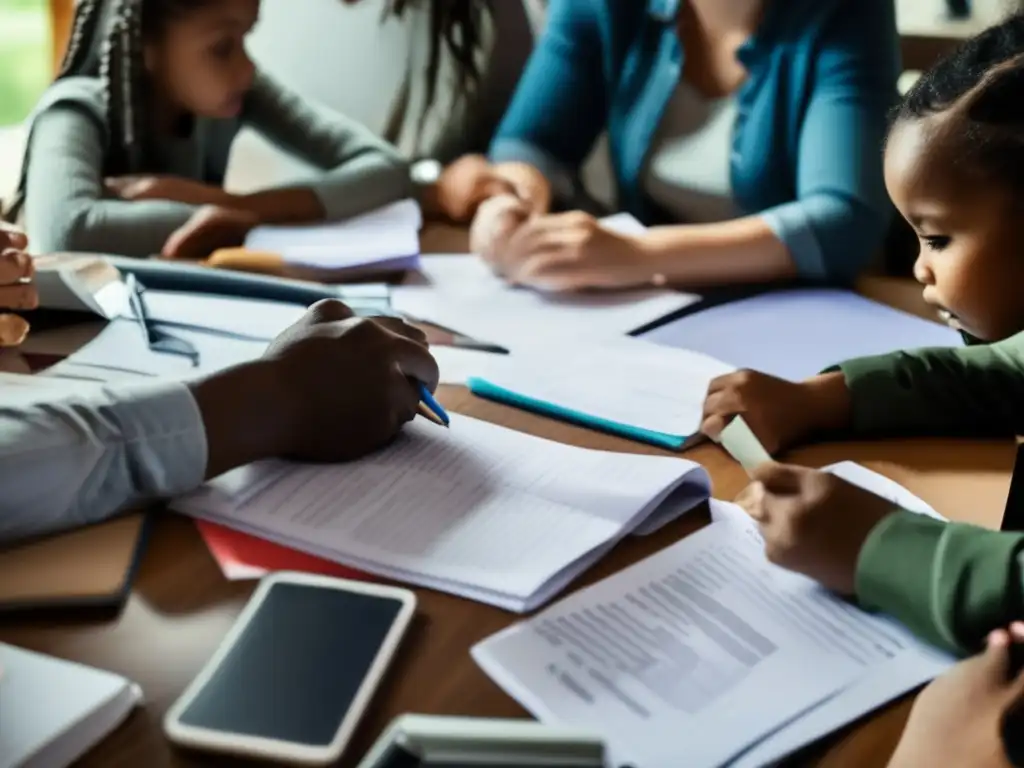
(951, 583)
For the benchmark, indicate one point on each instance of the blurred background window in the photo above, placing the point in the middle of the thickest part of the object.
(26, 56)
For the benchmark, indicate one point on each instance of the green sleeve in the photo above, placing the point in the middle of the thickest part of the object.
(65, 205)
(361, 172)
(975, 391)
(950, 583)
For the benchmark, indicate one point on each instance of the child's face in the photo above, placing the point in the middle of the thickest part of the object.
(199, 61)
(969, 262)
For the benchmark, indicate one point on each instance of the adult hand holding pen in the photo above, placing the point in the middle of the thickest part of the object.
(333, 387)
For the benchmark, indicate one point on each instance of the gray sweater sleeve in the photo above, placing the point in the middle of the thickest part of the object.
(65, 209)
(69, 462)
(362, 171)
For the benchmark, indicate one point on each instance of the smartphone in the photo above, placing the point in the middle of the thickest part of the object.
(292, 678)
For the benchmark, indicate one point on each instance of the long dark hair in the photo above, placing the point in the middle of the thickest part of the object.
(121, 71)
(456, 26)
(981, 86)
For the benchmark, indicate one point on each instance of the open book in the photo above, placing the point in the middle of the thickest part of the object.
(53, 711)
(477, 510)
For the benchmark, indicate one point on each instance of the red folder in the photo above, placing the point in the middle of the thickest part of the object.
(241, 556)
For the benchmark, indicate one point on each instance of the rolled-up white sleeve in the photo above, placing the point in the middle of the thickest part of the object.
(69, 461)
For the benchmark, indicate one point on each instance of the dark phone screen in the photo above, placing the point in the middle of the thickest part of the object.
(294, 671)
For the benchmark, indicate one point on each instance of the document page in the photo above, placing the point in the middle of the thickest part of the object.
(475, 505)
(462, 293)
(686, 658)
(771, 332)
(908, 663)
(624, 380)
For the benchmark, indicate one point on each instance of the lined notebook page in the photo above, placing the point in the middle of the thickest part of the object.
(625, 380)
(476, 505)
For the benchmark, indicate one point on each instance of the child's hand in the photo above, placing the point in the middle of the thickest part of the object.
(813, 523)
(781, 413)
(17, 291)
(210, 228)
(174, 188)
(957, 720)
(495, 221)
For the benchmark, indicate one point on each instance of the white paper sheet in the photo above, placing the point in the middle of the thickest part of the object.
(624, 380)
(120, 348)
(548, 662)
(673, 658)
(387, 237)
(461, 292)
(796, 334)
(914, 665)
(477, 509)
(247, 318)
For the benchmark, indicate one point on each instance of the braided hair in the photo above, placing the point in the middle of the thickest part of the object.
(120, 67)
(457, 27)
(980, 86)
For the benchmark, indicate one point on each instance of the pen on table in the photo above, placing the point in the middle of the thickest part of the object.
(456, 339)
(138, 306)
(430, 408)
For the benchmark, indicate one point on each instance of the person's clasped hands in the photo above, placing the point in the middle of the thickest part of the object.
(17, 287)
(557, 252)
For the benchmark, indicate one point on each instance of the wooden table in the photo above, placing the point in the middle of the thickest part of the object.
(181, 606)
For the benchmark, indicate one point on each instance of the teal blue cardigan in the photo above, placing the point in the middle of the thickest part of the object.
(810, 129)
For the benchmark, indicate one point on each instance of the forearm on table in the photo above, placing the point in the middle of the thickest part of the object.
(75, 461)
(298, 205)
(244, 414)
(742, 250)
(950, 583)
(971, 391)
(137, 229)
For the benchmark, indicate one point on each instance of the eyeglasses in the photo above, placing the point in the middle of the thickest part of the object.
(157, 339)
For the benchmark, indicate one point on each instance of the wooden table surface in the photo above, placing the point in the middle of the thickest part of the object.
(181, 606)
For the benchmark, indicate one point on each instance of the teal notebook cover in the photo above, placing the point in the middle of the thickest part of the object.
(486, 389)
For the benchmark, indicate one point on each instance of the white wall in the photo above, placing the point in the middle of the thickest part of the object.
(338, 54)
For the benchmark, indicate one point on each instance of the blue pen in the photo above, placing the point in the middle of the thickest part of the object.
(432, 405)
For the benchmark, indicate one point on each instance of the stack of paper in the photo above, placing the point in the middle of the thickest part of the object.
(625, 386)
(673, 658)
(53, 711)
(380, 241)
(476, 510)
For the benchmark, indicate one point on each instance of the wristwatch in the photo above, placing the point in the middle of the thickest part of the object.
(425, 172)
